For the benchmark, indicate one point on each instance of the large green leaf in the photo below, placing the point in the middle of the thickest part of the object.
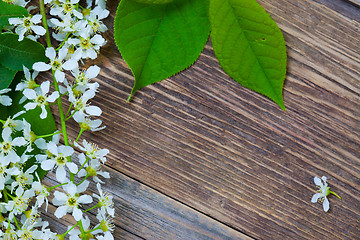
(10, 11)
(249, 46)
(154, 1)
(6, 76)
(15, 54)
(158, 41)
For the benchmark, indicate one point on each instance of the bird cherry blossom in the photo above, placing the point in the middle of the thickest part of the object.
(323, 192)
(39, 98)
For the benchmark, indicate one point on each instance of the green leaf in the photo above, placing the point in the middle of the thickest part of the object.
(249, 46)
(10, 11)
(6, 76)
(15, 54)
(154, 1)
(158, 41)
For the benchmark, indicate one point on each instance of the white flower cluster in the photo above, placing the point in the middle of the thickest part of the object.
(22, 194)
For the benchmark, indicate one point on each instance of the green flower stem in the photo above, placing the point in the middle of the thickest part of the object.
(87, 175)
(87, 159)
(56, 85)
(44, 20)
(81, 228)
(62, 44)
(70, 116)
(335, 194)
(51, 188)
(17, 224)
(81, 131)
(97, 205)
(68, 111)
(5, 196)
(48, 135)
(65, 233)
(95, 229)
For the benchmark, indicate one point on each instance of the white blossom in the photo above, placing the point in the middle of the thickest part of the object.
(57, 63)
(92, 151)
(323, 192)
(86, 123)
(20, 203)
(70, 201)
(27, 25)
(59, 159)
(14, 125)
(7, 147)
(39, 98)
(105, 201)
(87, 47)
(28, 82)
(66, 7)
(81, 103)
(83, 78)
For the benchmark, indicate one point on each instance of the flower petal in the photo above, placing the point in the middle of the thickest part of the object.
(86, 199)
(318, 181)
(77, 214)
(60, 174)
(93, 110)
(52, 148)
(45, 86)
(38, 30)
(48, 165)
(315, 197)
(50, 53)
(326, 204)
(41, 66)
(53, 97)
(70, 64)
(29, 106)
(60, 211)
(72, 167)
(59, 75)
(92, 72)
(30, 94)
(43, 114)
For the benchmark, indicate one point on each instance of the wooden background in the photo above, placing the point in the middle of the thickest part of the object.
(200, 157)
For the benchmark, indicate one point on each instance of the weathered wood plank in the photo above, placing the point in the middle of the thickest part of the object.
(145, 212)
(229, 153)
(355, 2)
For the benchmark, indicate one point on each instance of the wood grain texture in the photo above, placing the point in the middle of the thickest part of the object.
(233, 155)
(143, 213)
